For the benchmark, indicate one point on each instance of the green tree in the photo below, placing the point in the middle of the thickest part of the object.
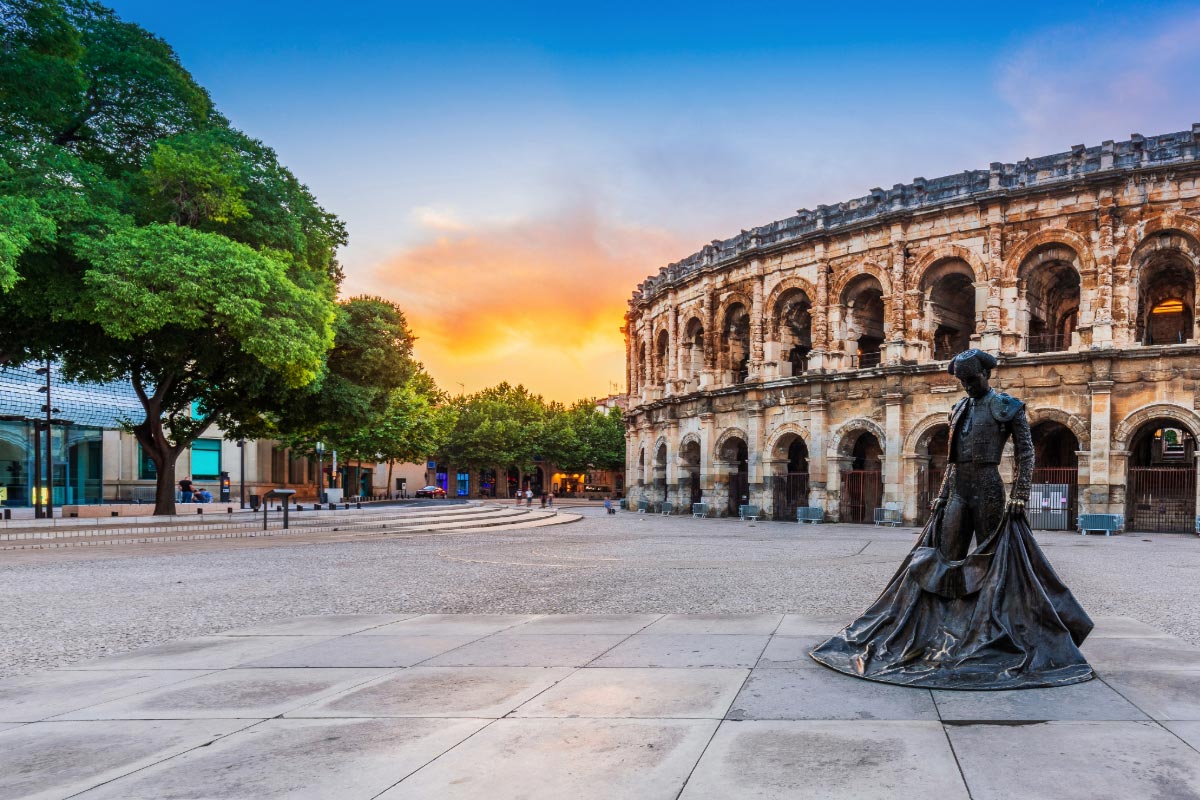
(500, 425)
(144, 239)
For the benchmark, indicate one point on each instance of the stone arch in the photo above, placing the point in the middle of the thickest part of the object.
(726, 436)
(1136, 419)
(1164, 266)
(784, 286)
(660, 445)
(1169, 221)
(841, 443)
(921, 430)
(1048, 236)
(1073, 423)
(846, 276)
(946, 251)
(689, 438)
(733, 299)
(782, 432)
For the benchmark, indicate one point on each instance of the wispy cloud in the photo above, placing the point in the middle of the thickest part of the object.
(539, 301)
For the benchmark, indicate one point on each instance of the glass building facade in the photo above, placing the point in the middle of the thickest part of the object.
(81, 412)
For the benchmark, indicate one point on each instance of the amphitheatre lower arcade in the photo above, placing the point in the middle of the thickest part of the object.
(802, 363)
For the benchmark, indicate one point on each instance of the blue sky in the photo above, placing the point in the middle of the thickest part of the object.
(508, 173)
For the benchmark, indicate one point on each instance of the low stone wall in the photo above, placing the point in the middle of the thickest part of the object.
(146, 510)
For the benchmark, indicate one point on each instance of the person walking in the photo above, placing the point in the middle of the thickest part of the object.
(550, 499)
(528, 498)
(608, 505)
(185, 490)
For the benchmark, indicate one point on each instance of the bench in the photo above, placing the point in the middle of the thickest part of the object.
(810, 514)
(666, 509)
(699, 510)
(748, 512)
(1108, 523)
(888, 516)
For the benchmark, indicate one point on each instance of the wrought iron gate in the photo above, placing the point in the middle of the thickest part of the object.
(739, 491)
(862, 493)
(791, 492)
(1161, 499)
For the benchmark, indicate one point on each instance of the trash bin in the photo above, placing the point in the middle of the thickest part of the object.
(255, 500)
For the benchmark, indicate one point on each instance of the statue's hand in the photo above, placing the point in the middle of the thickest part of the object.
(1016, 505)
(938, 504)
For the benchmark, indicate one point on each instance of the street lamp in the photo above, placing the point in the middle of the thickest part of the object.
(320, 472)
(50, 412)
(241, 443)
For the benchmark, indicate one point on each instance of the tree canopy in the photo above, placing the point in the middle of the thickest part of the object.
(143, 238)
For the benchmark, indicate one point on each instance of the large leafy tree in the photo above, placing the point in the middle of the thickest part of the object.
(142, 238)
(500, 425)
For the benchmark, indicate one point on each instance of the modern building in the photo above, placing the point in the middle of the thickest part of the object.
(802, 363)
(93, 459)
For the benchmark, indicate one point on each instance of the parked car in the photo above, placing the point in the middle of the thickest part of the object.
(435, 492)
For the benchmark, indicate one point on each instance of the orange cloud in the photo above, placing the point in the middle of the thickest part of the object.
(536, 302)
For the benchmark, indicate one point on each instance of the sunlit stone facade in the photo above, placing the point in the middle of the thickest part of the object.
(802, 363)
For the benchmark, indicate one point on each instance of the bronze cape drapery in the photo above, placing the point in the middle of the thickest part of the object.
(999, 619)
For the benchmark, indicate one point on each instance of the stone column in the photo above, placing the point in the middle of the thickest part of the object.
(911, 508)
(1102, 301)
(754, 457)
(673, 371)
(1083, 479)
(1099, 490)
(833, 492)
(774, 470)
(817, 357)
(893, 491)
(708, 477)
(757, 318)
(817, 463)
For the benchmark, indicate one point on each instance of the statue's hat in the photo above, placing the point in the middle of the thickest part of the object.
(968, 362)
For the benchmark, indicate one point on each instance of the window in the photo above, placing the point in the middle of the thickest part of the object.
(146, 469)
(206, 459)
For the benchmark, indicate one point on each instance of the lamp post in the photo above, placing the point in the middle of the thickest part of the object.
(320, 472)
(241, 443)
(50, 411)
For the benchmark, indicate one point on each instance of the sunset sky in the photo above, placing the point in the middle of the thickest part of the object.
(510, 172)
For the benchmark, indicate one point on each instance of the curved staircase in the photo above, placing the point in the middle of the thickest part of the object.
(425, 520)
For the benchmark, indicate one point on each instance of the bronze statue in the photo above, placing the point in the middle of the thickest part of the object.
(992, 617)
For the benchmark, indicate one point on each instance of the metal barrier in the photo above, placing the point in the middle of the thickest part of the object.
(699, 510)
(810, 514)
(643, 505)
(1101, 522)
(666, 509)
(748, 512)
(888, 516)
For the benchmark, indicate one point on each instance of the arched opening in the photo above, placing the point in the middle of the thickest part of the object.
(1166, 294)
(661, 347)
(513, 480)
(641, 470)
(1053, 498)
(693, 361)
(934, 449)
(735, 344)
(1161, 484)
(1048, 284)
(949, 292)
(736, 457)
(792, 326)
(660, 473)
(862, 483)
(864, 327)
(536, 480)
(642, 366)
(791, 486)
(689, 454)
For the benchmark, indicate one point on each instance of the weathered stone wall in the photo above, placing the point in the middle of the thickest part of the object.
(1054, 264)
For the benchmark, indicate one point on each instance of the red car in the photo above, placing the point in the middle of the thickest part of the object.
(435, 492)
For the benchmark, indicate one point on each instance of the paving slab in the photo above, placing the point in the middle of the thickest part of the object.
(365, 651)
(684, 650)
(320, 625)
(534, 650)
(716, 623)
(347, 759)
(47, 694)
(640, 692)
(1123, 628)
(590, 623)
(1093, 700)
(552, 759)
(823, 625)
(231, 693)
(822, 760)
(202, 652)
(1075, 761)
(451, 625)
(791, 651)
(1187, 731)
(1140, 653)
(53, 760)
(825, 694)
(1162, 694)
(486, 692)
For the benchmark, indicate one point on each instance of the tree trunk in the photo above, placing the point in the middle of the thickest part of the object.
(388, 492)
(164, 490)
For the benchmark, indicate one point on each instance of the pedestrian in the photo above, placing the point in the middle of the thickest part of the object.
(608, 505)
(550, 499)
(185, 490)
(543, 499)
(518, 498)
(528, 498)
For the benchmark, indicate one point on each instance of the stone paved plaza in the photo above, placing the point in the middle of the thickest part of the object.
(582, 706)
(616, 657)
